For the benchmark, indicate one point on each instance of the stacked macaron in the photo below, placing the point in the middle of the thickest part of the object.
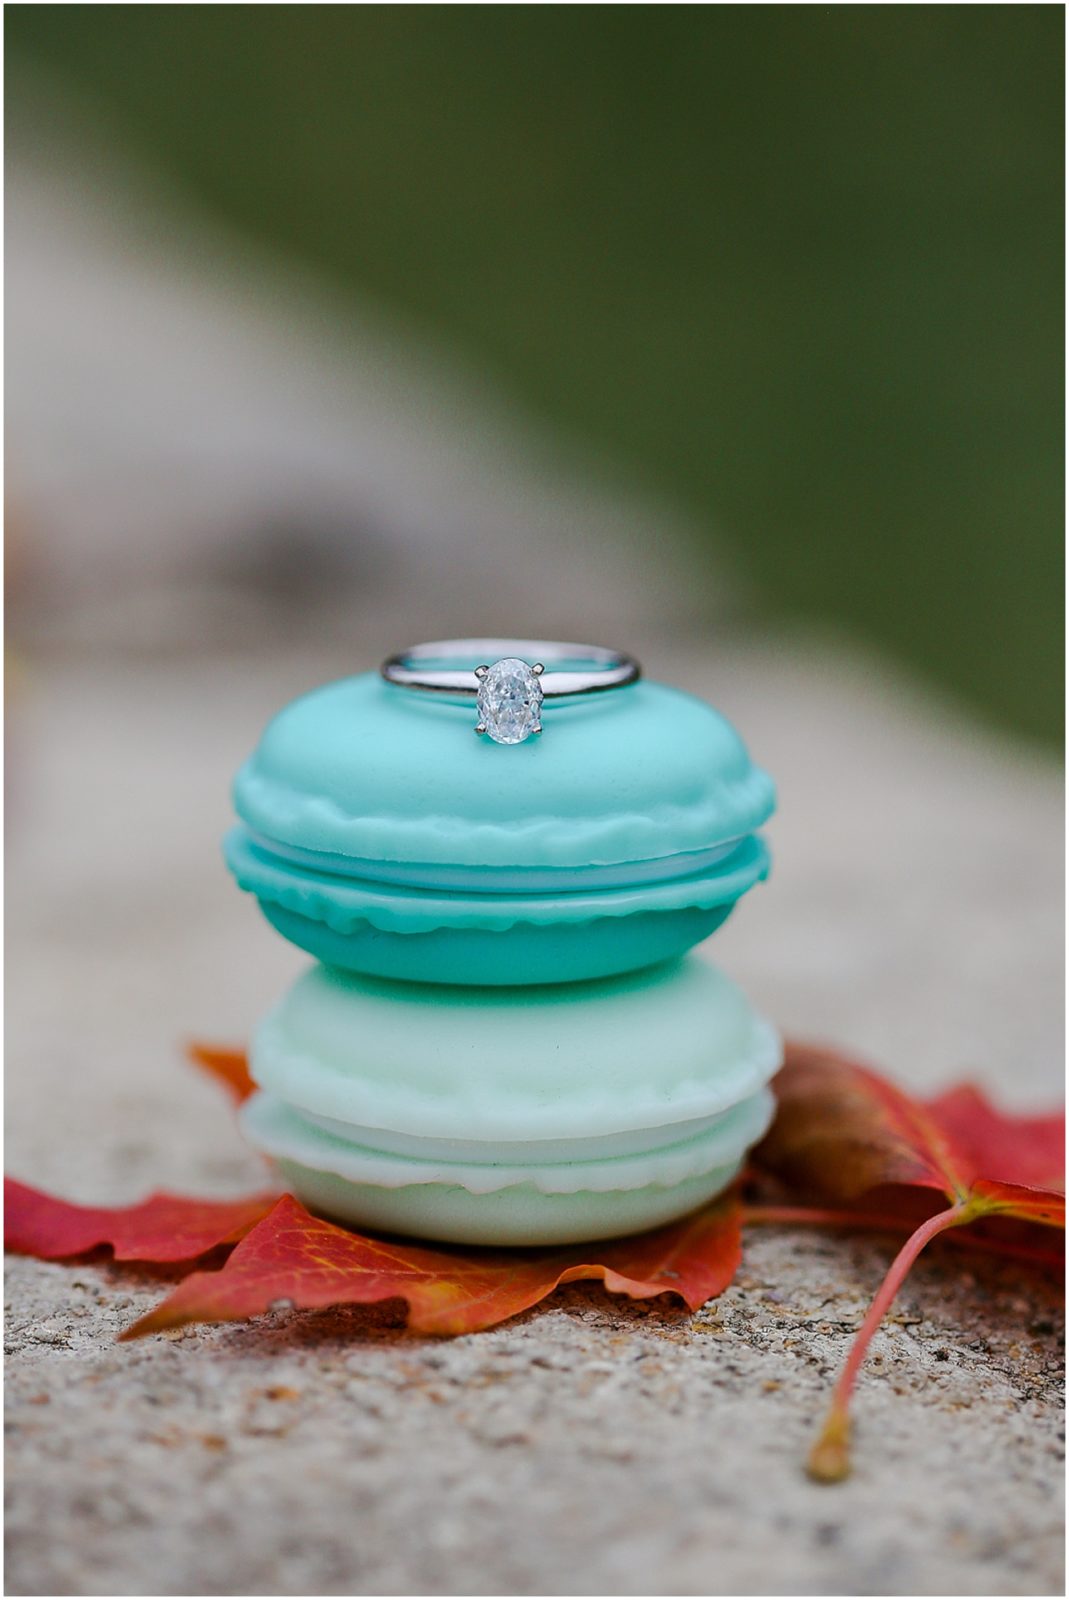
(505, 1042)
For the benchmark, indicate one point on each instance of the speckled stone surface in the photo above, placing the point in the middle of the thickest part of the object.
(593, 1446)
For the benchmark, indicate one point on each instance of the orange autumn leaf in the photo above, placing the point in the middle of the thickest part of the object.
(844, 1134)
(228, 1067)
(161, 1229)
(293, 1256)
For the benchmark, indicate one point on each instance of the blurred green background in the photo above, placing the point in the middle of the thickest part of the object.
(799, 267)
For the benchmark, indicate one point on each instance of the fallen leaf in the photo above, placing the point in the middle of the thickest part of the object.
(163, 1228)
(995, 1147)
(291, 1255)
(849, 1149)
(844, 1134)
(228, 1067)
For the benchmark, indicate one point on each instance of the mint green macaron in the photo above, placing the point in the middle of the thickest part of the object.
(511, 1116)
(380, 836)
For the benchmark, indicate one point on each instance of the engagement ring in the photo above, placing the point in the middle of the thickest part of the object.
(509, 679)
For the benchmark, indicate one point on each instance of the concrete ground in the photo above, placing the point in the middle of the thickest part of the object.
(592, 1446)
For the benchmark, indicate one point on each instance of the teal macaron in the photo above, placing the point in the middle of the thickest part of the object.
(511, 1116)
(377, 834)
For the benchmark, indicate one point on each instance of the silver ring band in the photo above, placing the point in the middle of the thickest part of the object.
(509, 678)
(421, 667)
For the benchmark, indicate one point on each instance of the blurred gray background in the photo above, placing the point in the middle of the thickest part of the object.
(308, 298)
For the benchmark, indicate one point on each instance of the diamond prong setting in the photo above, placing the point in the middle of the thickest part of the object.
(509, 700)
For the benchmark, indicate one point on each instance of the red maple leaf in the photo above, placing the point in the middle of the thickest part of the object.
(844, 1134)
(291, 1255)
(871, 1155)
(161, 1229)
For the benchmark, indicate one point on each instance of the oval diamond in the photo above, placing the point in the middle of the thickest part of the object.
(509, 701)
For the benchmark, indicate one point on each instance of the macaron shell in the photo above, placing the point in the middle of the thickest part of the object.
(521, 1216)
(451, 937)
(531, 953)
(279, 1131)
(572, 1061)
(364, 769)
(343, 903)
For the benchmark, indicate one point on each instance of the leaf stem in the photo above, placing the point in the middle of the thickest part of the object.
(829, 1459)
